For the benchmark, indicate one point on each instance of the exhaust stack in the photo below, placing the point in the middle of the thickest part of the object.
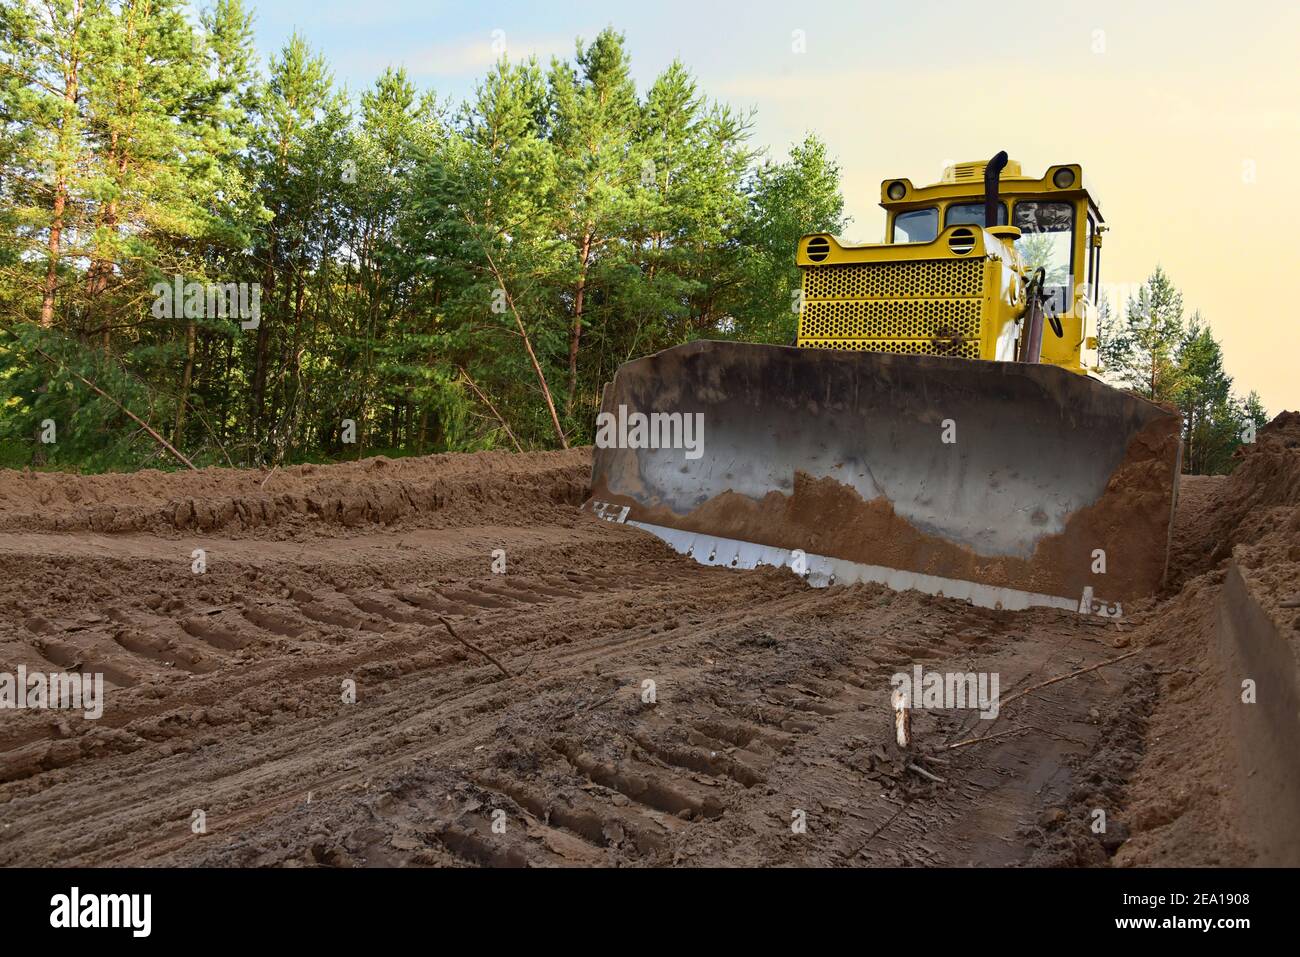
(992, 173)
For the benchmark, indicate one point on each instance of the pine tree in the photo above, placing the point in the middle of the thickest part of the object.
(595, 116)
(296, 105)
(43, 54)
(141, 89)
(1144, 349)
(786, 201)
(1203, 395)
(225, 106)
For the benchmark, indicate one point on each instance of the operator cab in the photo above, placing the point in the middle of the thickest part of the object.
(1060, 232)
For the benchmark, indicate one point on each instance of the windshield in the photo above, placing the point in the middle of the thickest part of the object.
(1046, 234)
(971, 214)
(917, 226)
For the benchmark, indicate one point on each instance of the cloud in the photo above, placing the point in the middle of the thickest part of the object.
(468, 56)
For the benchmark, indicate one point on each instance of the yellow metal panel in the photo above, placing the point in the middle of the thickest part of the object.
(824, 250)
(971, 187)
(922, 298)
(1065, 350)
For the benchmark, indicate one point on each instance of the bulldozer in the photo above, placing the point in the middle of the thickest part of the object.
(938, 424)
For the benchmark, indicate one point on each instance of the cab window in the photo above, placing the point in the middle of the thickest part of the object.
(1047, 242)
(917, 226)
(971, 214)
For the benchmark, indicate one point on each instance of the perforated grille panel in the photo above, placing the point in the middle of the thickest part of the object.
(914, 280)
(964, 350)
(930, 307)
(891, 318)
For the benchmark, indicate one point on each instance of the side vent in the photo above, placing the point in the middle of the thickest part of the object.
(974, 172)
(818, 248)
(965, 173)
(961, 241)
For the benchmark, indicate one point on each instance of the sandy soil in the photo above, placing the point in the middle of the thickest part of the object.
(505, 719)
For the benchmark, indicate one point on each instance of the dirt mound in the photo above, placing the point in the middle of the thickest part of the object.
(435, 491)
(1179, 807)
(1249, 506)
(1189, 799)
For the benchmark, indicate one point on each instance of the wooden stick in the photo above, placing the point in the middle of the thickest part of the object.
(488, 402)
(599, 704)
(141, 422)
(926, 774)
(1030, 689)
(902, 719)
(893, 817)
(452, 631)
(1073, 674)
(987, 737)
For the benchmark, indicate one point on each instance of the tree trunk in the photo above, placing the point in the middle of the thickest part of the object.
(187, 376)
(260, 357)
(575, 334)
(70, 89)
(52, 269)
(100, 267)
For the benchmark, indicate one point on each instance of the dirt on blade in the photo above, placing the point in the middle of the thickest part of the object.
(600, 701)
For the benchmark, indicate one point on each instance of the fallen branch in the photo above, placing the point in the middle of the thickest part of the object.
(599, 704)
(1072, 674)
(1058, 735)
(926, 774)
(452, 631)
(874, 834)
(1032, 688)
(488, 402)
(141, 422)
(528, 344)
(986, 737)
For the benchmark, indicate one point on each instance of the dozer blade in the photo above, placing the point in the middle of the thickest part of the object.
(1007, 484)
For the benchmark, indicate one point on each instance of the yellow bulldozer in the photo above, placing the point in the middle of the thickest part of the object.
(938, 424)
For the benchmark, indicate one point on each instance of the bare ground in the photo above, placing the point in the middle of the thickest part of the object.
(531, 711)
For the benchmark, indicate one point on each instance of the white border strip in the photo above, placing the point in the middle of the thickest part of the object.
(823, 571)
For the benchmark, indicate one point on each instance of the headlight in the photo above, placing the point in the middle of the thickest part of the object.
(1063, 178)
(896, 191)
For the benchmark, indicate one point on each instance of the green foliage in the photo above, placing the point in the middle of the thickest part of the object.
(1142, 354)
(44, 390)
(430, 274)
(787, 200)
(1158, 354)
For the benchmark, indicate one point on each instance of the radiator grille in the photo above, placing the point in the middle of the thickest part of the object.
(891, 319)
(930, 307)
(925, 279)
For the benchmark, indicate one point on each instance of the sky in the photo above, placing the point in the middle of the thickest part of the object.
(1185, 116)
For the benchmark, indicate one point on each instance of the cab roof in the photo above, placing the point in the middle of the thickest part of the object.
(966, 181)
